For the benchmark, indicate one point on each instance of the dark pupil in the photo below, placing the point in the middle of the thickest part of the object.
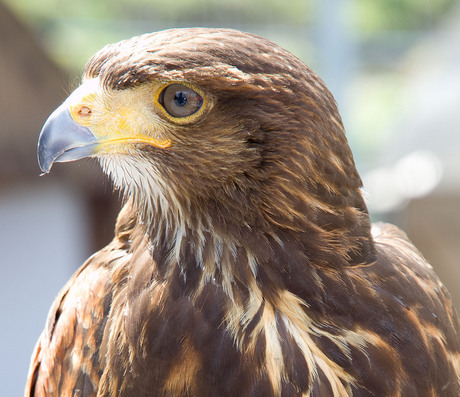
(180, 99)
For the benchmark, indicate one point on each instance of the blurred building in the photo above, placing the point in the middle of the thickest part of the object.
(45, 223)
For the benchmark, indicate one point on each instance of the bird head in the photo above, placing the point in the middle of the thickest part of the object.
(218, 129)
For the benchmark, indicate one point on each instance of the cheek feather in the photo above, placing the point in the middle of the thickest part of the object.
(138, 179)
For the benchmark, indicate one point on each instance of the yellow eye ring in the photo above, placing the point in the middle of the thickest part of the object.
(184, 102)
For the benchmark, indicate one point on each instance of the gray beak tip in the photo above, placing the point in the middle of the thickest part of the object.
(62, 139)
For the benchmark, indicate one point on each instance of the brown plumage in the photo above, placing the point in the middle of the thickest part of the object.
(243, 262)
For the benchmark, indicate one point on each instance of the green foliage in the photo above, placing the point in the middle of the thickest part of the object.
(374, 16)
(292, 11)
(368, 15)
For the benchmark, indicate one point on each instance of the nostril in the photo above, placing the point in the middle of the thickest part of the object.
(85, 111)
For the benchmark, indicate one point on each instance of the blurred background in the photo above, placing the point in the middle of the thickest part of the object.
(393, 66)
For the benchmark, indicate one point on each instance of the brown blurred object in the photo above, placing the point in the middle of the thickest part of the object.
(32, 85)
(433, 223)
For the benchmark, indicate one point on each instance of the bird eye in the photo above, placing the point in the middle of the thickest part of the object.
(180, 100)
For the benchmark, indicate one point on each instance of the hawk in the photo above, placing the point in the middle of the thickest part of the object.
(244, 262)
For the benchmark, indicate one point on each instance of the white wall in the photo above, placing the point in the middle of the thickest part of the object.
(43, 239)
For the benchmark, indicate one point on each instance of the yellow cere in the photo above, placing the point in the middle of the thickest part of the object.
(115, 117)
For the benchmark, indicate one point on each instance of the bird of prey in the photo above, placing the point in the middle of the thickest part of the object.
(244, 262)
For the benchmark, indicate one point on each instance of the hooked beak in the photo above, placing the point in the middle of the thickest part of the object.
(62, 139)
